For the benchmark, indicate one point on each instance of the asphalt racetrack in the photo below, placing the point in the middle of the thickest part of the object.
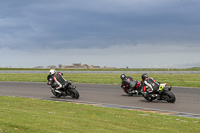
(187, 99)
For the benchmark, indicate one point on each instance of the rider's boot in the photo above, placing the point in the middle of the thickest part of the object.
(58, 91)
(132, 91)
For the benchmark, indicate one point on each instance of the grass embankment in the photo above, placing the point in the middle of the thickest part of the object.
(185, 80)
(23, 115)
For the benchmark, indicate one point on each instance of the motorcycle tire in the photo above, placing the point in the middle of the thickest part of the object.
(148, 98)
(74, 93)
(169, 96)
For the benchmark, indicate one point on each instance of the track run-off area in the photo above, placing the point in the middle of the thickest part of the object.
(187, 99)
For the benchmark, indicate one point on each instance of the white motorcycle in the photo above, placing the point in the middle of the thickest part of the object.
(162, 93)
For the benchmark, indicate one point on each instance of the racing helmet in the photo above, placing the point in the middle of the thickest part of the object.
(144, 76)
(123, 76)
(52, 71)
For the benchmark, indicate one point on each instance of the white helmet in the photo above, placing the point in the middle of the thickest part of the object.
(123, 76)
(52, 71)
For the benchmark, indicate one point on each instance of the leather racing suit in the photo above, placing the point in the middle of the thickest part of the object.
(150, 82)
(128, 81)
(60, 81)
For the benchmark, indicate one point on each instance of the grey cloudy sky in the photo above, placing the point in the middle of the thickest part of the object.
(120, 33)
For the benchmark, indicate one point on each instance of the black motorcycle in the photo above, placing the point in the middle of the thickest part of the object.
(68, 89)
(162, 93)
(133, 88)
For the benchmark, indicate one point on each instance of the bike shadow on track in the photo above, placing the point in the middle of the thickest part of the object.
(66, 98)
(145, 101)
(131, 96)
(155, 101)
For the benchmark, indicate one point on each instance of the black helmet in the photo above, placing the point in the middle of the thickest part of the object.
(123, 76)
(144, 76)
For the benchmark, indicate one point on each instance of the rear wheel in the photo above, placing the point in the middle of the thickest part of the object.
(74, 93)
(169, 97)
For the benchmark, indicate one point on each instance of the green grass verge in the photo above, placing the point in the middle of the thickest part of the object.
(23, 115)
(185, 80)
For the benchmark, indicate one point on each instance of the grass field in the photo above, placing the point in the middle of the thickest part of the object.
(23, 115)
(185, 80)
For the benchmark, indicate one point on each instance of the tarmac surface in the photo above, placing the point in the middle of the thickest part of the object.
(187, 99)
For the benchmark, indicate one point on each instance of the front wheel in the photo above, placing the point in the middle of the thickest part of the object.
(147, 97)
(74, 93)
(169, 96)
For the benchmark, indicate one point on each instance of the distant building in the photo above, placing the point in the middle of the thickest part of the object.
(76, 66)
(52, 67)
(94, 67)
(85, 66)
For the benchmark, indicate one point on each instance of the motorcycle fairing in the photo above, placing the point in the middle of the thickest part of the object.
(162, 86)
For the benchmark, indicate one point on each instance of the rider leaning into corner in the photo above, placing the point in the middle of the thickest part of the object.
(127, 80)
(150, 82)
(56, 77)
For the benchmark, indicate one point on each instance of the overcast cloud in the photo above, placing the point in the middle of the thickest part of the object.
(120, 33)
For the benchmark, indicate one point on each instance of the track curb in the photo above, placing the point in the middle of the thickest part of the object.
(150, 110)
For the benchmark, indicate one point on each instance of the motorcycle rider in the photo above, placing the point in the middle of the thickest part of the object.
(124, 77)
(150, 82)
(56, 77)
(128, 81)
